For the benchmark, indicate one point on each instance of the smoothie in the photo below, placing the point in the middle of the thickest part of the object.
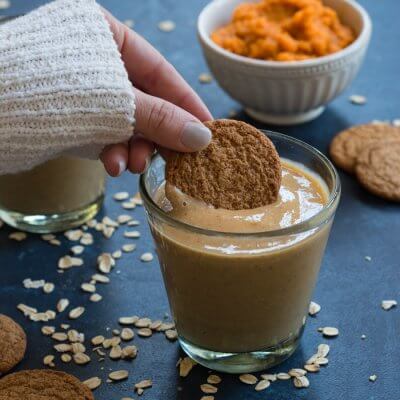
(242, 293)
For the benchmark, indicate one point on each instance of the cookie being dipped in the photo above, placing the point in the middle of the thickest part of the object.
(12, 343)
(240, 169)
(44, 385)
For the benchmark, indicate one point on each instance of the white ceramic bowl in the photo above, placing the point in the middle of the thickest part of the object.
(284, 93)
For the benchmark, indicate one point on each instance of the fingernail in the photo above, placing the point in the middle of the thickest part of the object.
(146, 164)
(121, 166)
(195, 136)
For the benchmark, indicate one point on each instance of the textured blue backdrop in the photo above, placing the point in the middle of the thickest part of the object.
(349, 289)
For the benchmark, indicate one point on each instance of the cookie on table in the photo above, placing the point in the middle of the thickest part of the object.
(240, 169)
(44, 385)
(378, 169)
(12, 343)
(347, 145)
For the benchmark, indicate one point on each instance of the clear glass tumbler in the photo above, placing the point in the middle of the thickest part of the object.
(242, 306)
(55, 196)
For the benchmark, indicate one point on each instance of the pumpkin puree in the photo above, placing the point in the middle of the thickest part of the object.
(284, 30)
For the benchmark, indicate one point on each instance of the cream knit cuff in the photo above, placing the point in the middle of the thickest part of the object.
(63, 86)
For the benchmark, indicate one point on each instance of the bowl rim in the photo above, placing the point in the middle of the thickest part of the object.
(361, 40)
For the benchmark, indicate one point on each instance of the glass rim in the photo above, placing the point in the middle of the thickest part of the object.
(310, 223)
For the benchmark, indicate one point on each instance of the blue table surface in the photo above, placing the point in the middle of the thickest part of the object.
(350, 289)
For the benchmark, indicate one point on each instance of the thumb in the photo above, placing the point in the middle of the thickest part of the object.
(168, 125)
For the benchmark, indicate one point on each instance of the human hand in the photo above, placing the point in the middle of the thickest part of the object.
(168, 111)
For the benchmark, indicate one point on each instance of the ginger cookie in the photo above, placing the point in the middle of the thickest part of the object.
(348, 144)
(12, 343)
(240, 169)
(43, 384)
(378, 169)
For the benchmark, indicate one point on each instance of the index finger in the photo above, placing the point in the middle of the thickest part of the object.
(152, 73)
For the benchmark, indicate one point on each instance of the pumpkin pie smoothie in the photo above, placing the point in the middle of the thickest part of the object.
(239, 282)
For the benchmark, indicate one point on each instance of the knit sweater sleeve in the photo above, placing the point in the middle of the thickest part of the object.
(63, 86)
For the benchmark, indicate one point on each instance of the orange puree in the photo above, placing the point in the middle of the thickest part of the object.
(283, 30)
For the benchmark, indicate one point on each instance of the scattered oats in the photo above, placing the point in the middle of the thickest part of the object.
(297, 372)
(127, 334)
(88, 287)
(48, 330)
(18, 236)
(119, 375)
(301, 382)
(100, 278)
(248, 379)
(232, 114)
(314, 308)
(388, 304)
(49, 361)
(55, 242)
(155, 325)
(363, 337)
(69, 262)
(75, 336)
(185, 366)
(48, 236)
(129, 352)
(76, 312)
(137, 199)
(166, 26)
(124, 218)
(105, 262)
(128, 205)
(262, 385)
(26, 310)
(165, 326)
(209, 389)
(92, 223)
(330, 331)
(115, 341)
(48, 287)
(117, 254)
(214, 379)
(207, 398)
(92, 383)
(368, 258)
(4, 4)
(110, 222)
(116, 332)
(312, 367)
(97, 340)
(99, 227)
(30, 284)
(145, 332)
(81, 358)
(130, 24)
(95, 297)
(128, 248)
(145, 384)
(121, 196)
(205, 78)
(133, 223)
(78, 348)
(320, 329)
(62, 305)
(62, 347)
(127, 398)
(323, 350)
(132, 234)
(171, 334)
(59, 336)
(50, 314)
(66, 358)
(108, 231)
(116, 352)
(357, 99)
(373, 378)
(322, 361)
(77, 250)
(146, 257)
(128, 320)
(73, 235)
(379, 122)
(269, 377)
(143, 323)
(396, 122)
(87, 239)
(283, 376)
